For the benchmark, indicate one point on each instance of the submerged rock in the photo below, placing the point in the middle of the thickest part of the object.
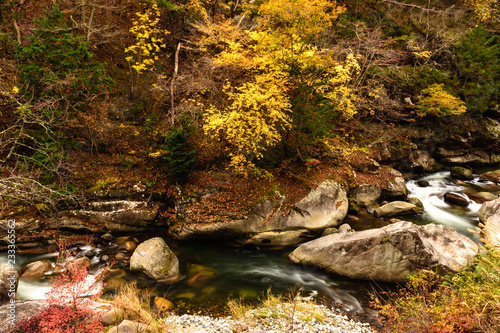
(389, 254)
(155, 259)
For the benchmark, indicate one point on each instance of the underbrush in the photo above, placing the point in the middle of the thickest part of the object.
(135, 305)
(467, 302)
(286, 310)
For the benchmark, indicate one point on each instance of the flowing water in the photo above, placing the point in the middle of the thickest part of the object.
(436, 210)
(250, 272)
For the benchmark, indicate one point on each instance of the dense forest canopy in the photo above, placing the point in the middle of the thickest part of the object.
(225, 85)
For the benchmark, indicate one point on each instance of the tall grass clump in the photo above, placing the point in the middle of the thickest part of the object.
(135, 305)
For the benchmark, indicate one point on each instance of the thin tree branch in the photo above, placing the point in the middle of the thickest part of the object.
(174, 76)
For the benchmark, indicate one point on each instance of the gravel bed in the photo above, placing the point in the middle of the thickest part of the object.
(256, 322)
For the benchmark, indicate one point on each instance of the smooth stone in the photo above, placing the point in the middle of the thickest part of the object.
(128, 326)
(416, 201)
(397, 208)
(114, 283)
(423, 183)
(329, 231)
(345, 228)
(164, 305)
(155, 259)
(35, 270)
(461, 173)
(128, 245)
(456, 199)
(107, 237)
(111, 316)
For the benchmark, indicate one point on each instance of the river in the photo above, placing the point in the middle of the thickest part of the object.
(250, 272)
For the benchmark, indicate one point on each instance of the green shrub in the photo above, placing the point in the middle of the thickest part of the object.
(179, 157)
(58, 64)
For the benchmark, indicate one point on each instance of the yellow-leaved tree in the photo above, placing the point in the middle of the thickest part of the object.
(308, 86)
(484, 10)
(149, 39)
(257, 113)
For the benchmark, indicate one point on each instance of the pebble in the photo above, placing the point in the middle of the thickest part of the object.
(332, 322)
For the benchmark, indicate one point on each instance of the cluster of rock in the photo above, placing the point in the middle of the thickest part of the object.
(317, 223)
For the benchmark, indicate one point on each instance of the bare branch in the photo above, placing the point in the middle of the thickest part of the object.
(174, 76)
(414, 6)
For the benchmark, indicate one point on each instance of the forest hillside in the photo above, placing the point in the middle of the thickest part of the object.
(96, 93)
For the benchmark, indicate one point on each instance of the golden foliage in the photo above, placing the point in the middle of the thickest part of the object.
(254, 119)
(149, 38)
(484, 10)
(438, 102)
(279, 55)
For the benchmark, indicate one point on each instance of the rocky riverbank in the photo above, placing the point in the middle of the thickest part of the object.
(331, 321)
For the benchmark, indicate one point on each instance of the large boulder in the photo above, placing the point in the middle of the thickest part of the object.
(9, 280)
(389, 254)
(421, 161)
(366, 195)
(395, 208)
(13, 312)
(489, 215)
(119, 215)
(155, 259)
(395, 186)
(324, 207)
(473, 156)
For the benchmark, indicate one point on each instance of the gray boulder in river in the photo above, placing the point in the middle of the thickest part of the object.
(155, 259)
(489, 215)
(388, 254)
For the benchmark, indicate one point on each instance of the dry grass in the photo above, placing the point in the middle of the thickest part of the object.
(285, 309)
(135, 305)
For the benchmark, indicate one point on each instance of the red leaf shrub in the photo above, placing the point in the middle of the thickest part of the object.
(70, 301)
